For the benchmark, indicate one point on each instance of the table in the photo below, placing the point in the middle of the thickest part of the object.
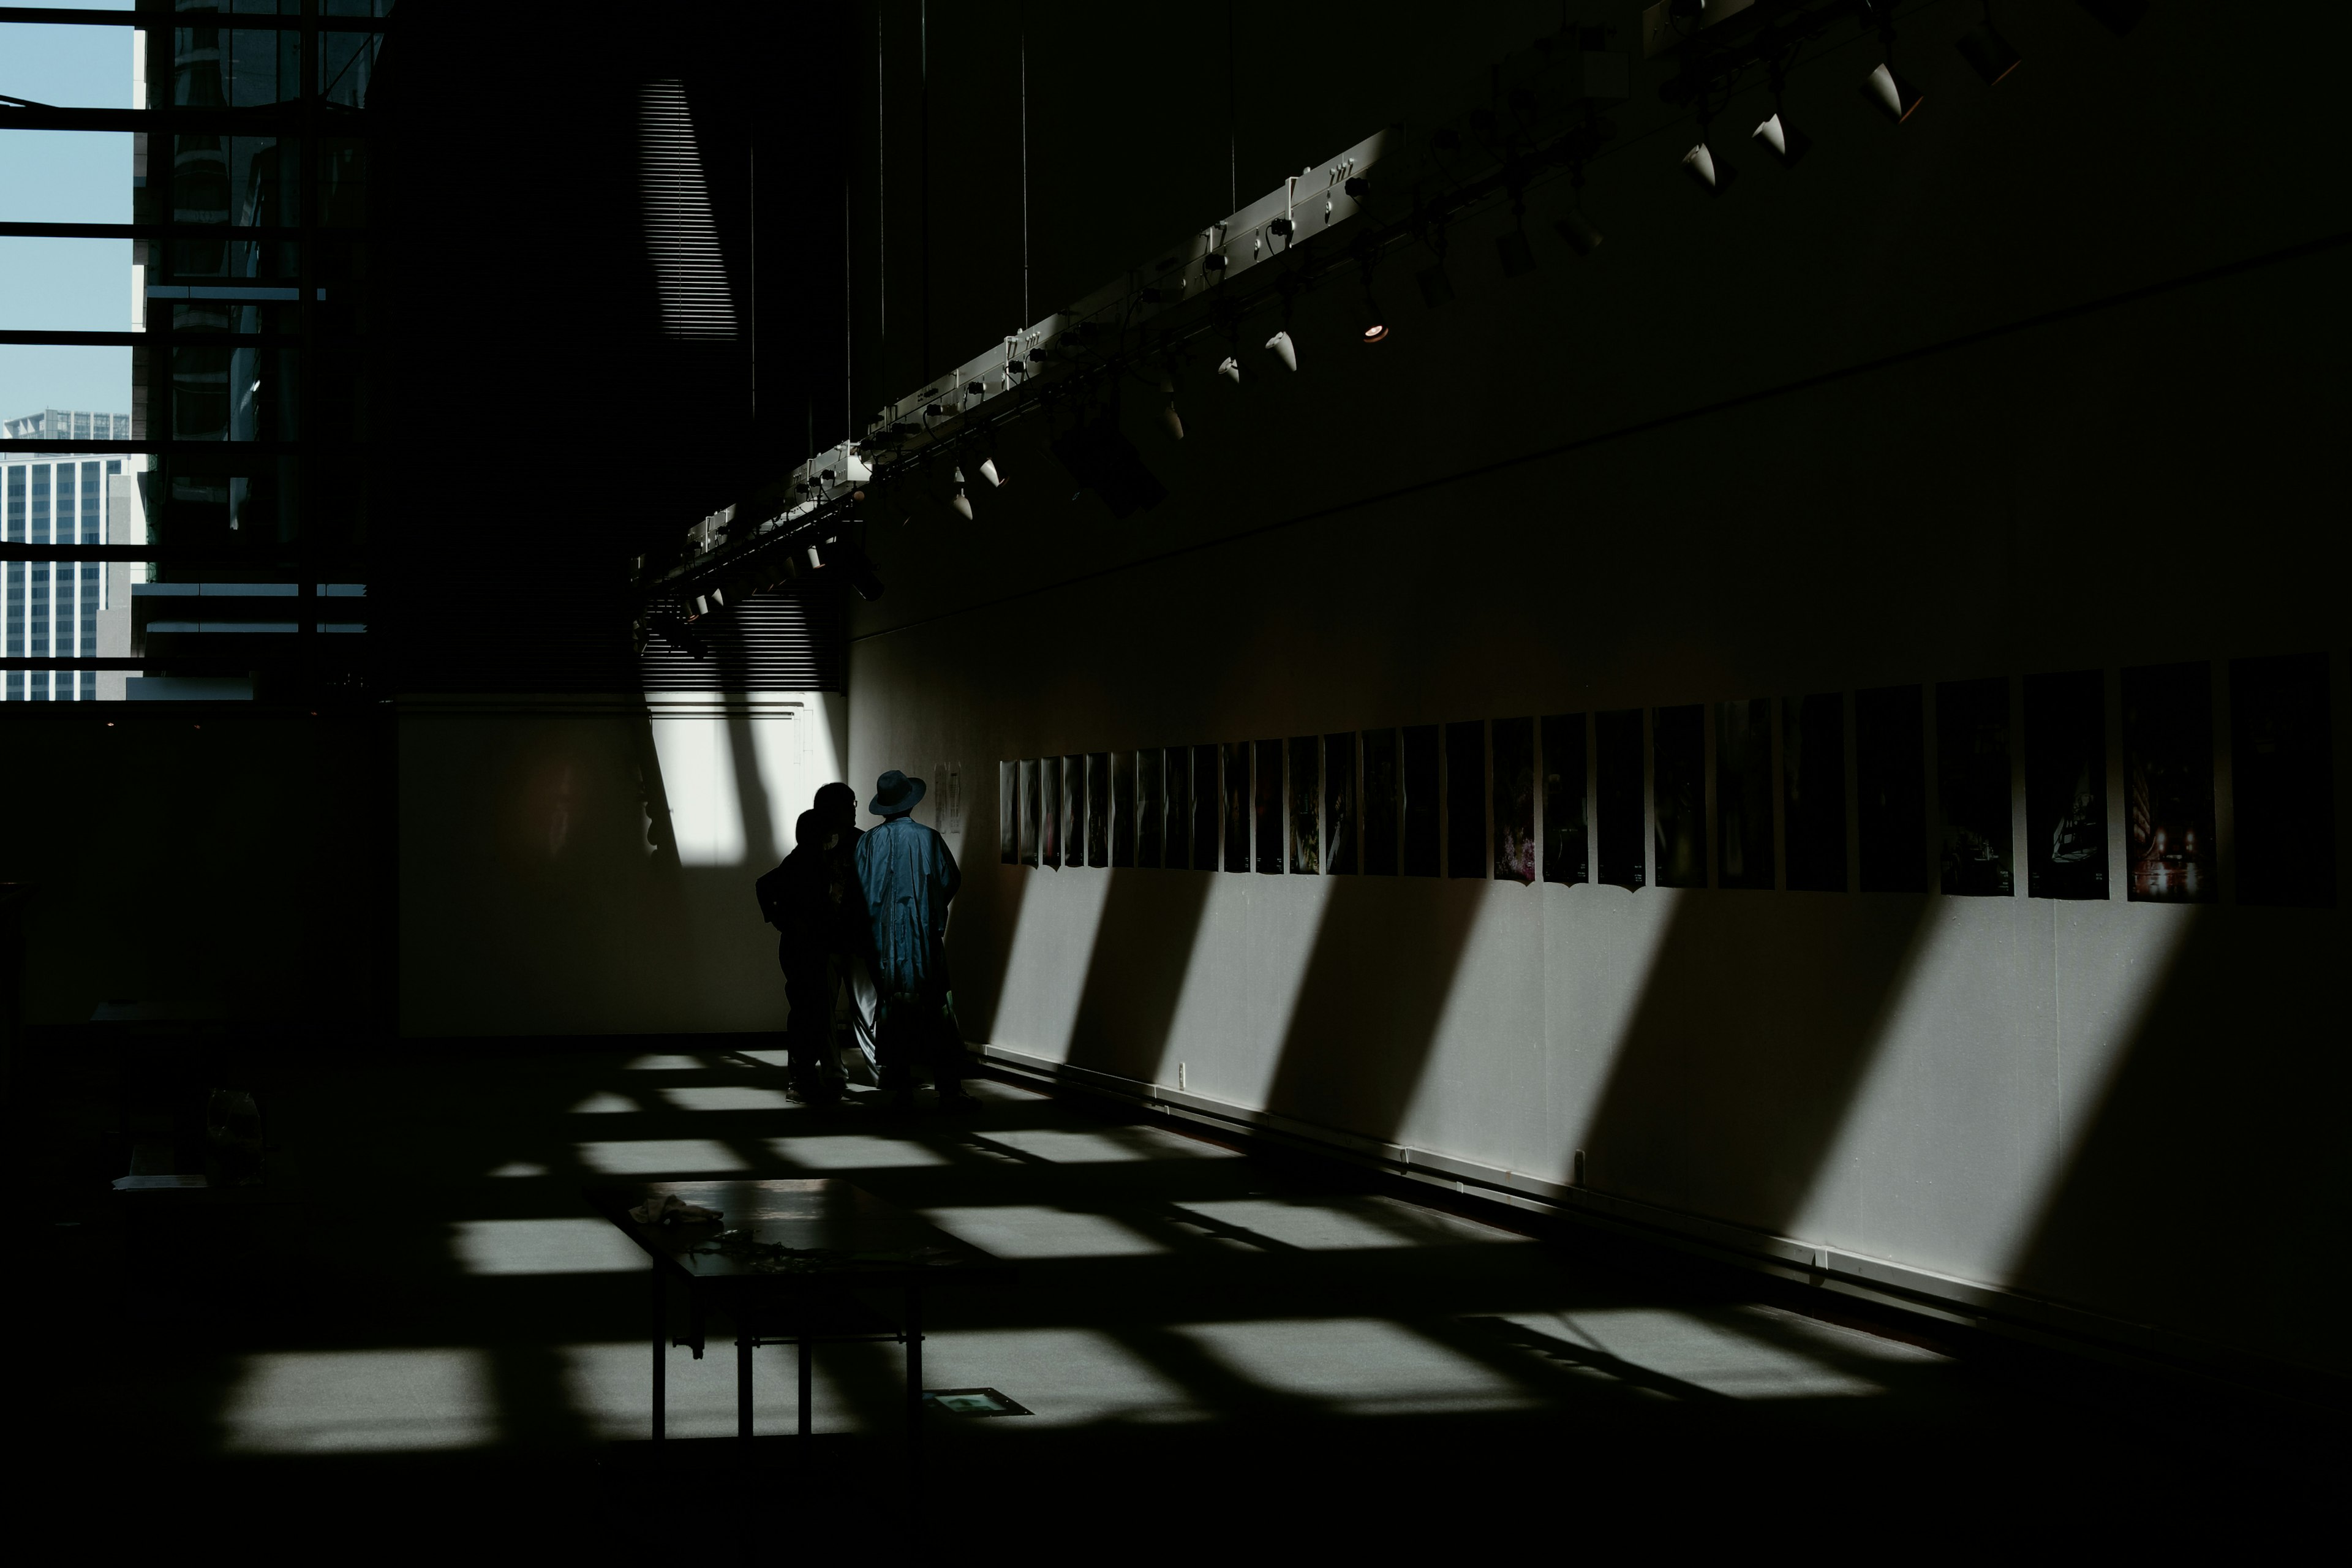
(846, 1239)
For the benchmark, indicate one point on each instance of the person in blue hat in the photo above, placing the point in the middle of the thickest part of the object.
(909, 876)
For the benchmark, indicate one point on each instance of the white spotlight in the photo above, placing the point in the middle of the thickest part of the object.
(962, 502)
(1231, 369)
(988, 471)
(1891, 93)
(1175, 421)
(1284, 350)
(1783, 141)
(1699, 164)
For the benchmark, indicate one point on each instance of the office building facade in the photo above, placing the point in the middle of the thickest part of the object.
(65, 609)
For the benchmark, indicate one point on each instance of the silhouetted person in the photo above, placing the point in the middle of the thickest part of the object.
(848, 946)
(813, 914)
(909, 877)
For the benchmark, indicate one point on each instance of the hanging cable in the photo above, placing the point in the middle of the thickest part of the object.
(1023, 19)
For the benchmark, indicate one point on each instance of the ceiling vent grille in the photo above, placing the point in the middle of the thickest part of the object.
(680, 232)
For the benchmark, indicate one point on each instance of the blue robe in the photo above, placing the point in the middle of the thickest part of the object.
(907, 875)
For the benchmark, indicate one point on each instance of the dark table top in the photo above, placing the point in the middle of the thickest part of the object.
(840, 1233)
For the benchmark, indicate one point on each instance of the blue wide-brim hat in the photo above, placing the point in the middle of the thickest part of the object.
(893, 792)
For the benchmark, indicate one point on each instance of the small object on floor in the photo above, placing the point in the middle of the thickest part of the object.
(973, 1402)
(671, 1209)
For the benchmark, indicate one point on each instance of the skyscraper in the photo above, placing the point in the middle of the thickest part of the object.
(65, 609)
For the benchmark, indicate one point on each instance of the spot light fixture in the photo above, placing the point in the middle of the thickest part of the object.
(1174, 420)
(962, 502)
(1371, 323)
(1579, 231)
(1987, 52)
(1231, 369)
(1890, 93)
(1699, 164)
(1283, 349)
(1785, 141)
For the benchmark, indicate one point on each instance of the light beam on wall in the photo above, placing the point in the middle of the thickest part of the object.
(681, 236)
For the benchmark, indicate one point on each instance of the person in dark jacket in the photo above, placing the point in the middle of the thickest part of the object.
(814, 915)
(908, 875)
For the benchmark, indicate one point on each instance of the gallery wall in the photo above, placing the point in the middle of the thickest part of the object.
(584, 866)
(1957, 409)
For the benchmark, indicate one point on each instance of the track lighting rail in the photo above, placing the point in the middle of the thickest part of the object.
(1400, 187)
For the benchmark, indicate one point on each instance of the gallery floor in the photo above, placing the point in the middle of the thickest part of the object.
(1211, 1343)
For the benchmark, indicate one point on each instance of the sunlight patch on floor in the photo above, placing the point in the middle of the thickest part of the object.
(525, 1168)
(611, 1387)
(318, 1402)
(1321, 1225)
(726, 1097)
(553, 1246)
(854, 1151)
(664, 1064)
(1362, 1367)
(1022, 1230)
(1750, 1352)
(1065, 1376)
(659, 1156)
(605, 1104)
(1116, 1143)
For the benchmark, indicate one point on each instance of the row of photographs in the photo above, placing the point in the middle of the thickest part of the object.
(1829, 792)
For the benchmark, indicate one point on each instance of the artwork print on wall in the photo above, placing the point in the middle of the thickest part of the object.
(1466, 796)
(1204, 809)
(1306, 803)
(1236, 802)
(1418, 799)
(1123, 814)
(1383, 800)
(1812, 790)
(1074, 811)
(1678, 771)
(1339, 803)
(1150, 806)
(2067, 786)
(1098, 809)
(1008, 812)
(1030, 812)
(1618, 824)
(1049, 844)
(1890, 740)
(1972, 787)
(2282, 776)
(1515, 799)
(1566, 812)
(2168, 783)
(1265, 801)
(1743, 793)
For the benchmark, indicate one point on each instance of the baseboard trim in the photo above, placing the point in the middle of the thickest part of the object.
(1882, 1282)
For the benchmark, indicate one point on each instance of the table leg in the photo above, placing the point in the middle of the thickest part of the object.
(743, 1385)
(914, 1362)
(807, 1351)
(661, 1349)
